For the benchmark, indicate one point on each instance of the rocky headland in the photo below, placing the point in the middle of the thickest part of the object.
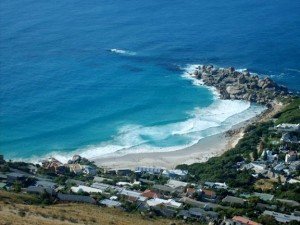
(241, 85)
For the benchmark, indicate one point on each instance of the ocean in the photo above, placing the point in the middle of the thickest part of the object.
(104, 78)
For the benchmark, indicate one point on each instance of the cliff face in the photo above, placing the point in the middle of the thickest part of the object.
(233, 84)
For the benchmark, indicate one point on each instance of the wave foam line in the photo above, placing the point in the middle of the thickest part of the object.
(122, 52)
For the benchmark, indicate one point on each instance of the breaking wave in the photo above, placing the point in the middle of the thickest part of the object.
(122, 52)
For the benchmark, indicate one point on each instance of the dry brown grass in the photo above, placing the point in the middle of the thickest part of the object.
(12, 211)
(264, 184)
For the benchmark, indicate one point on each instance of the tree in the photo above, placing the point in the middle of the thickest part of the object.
(17, 186)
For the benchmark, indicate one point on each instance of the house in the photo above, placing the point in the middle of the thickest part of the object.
(269, 156)
(288, 127)
(176, 184)
(197, 213)
(291, 156)
(89, 170)
(209, 195)
(295, 166)
(46, 184)
(15, 176)
(74, 182)
(163, 189)
(159, 201)
(279, 167)
(233, 200)
(184, 214)
(175, 174)
(280, 217)
(150, 170)
(110, 203)
(258, 167)
(190, 192)
(103, 187)
(198, 204)
(150, 194)
(40, 190)
(264, 196)
(124, 172)
(209, 184)
(143, 207)
(76, 198)
(215, 185)
(133, 195)
(101, 179)
(262, 206)
(163, 211)
(291, 203)
(146, 182)
(220, 185)
(244, 221)
(82, 188)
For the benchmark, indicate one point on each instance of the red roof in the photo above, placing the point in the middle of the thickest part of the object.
(190, 190)
(244, 220)
(209, 193)
(149, 194)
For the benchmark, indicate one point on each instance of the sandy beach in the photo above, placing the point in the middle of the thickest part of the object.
(206, 148)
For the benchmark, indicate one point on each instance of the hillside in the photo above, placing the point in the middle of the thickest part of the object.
(13, 210)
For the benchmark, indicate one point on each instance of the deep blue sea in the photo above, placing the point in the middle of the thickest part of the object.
(108, 77)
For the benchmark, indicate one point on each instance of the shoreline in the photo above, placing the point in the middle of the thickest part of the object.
(204, 149)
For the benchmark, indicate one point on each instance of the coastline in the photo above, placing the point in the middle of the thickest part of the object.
(208, 147)
(211, 146)
(204, 149)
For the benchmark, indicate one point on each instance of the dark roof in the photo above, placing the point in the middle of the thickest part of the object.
(76, 198)
(183, 213)
(164, 211)
(15, 174)
(163, 188)
(196, 212)
(147, 181)
(45, 183)
(40, 190)
(232, 199)
(73, 181)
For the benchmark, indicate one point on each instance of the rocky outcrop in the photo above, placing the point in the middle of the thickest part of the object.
(241, 85)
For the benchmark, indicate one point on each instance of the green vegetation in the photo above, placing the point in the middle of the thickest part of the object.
(223, 168)
(291, 113)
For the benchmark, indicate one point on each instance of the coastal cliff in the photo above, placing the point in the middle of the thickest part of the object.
(241, 85)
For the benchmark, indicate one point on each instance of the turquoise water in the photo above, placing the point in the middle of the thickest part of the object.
(63, 90)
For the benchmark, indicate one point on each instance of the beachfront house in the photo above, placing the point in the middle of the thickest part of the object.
(288, 127)
(150, 170)
(175, 174)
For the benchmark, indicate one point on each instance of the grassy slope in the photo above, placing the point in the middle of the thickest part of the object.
(14, 211)
(290, 114)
